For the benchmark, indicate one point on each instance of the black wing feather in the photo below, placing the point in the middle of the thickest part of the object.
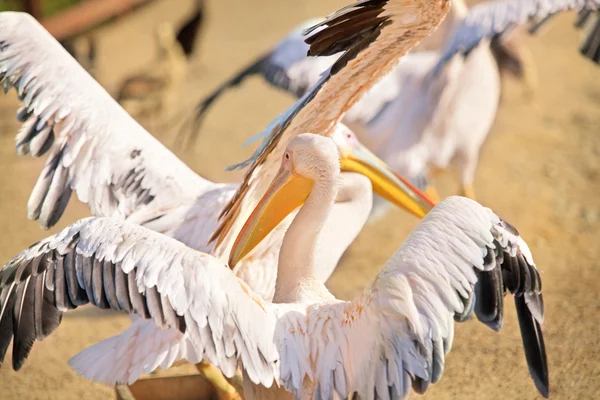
(38, 285)
(506, 269)
(23, 322)
(8, 299)
(351, 30)
(533, 343)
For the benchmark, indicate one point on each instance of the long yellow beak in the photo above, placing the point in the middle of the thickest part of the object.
(287, 192)
(386, 183)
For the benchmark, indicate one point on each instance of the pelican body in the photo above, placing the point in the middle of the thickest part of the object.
(393, 337)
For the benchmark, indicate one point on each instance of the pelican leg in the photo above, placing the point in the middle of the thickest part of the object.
(530, 75)
(467, 163)
(224, 389)
(434, 171)
(468, 191)
(432, 193)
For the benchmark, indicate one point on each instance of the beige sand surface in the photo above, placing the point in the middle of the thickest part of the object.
(540, 170)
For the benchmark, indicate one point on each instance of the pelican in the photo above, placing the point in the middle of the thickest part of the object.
(395, 335)
(116, 167)
(434, 107)
(145, 93)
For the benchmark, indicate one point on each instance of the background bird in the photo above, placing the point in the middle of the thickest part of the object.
(456, 104)
(145, 94)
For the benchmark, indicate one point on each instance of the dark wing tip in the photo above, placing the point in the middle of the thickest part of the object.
(420, 385)
(533, 344)
(352, 28)
(489, 291)
(590, 47)
(6, 323)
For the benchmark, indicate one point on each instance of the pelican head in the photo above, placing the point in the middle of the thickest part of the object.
(307, 159)
(311, 160)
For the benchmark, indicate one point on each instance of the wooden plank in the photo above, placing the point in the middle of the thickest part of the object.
(187, 387)
(85, 15)
(33, 7)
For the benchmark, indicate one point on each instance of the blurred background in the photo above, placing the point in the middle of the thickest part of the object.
(539, 169)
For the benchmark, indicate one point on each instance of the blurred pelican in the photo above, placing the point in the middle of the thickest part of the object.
(588, 19)
(434, 107)
(118, 169)
(145, 93)
(395, 335)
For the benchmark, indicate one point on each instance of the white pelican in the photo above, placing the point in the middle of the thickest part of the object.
(434, 107)
(118, 169)
(460, 259)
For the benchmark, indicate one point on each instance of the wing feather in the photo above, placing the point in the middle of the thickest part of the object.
(121, 266)
(492, 19)
(96, 149)
(409, 308)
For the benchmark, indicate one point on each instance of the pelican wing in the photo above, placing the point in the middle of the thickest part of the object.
(491, 19)
(461, 258)
(94, 146)
(118, 265)
(286, 67)
(373, 35)
(289, 68)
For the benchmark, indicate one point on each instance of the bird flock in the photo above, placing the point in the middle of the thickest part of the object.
(231, 276)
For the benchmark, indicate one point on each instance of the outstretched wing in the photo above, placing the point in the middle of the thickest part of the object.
(286, 67)
(491, 19)
(289, 68)
(461, 258)
(373, 35)
(114, 264)
(95, 148)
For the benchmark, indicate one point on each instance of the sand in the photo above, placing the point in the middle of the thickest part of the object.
(539, 169)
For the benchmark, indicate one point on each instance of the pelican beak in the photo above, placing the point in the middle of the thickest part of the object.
(386, 183)
(287, 192)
